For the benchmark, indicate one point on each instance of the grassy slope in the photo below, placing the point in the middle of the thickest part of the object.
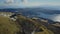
(27, 20)
(7, 26)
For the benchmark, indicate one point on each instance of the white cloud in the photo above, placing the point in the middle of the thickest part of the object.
(9, 1)
(55, 17)
(25, 1)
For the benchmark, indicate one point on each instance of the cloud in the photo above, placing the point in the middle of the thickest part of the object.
(25, 1)
(55, 17)
(9, 1)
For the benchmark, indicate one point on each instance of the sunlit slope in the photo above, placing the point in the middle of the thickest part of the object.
(7, 26)
(29, 23)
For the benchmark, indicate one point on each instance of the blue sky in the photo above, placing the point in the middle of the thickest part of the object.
(28, 3)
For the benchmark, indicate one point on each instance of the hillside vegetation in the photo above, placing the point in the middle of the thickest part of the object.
(7, 26)
(22, 25)
(28, 25)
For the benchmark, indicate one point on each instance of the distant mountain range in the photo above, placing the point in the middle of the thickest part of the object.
(36, 12)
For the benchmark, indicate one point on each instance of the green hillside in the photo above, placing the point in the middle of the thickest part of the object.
(7, 26)
(31, 24)
(21, 25)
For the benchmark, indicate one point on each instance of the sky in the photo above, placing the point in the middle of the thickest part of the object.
(28, 3)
